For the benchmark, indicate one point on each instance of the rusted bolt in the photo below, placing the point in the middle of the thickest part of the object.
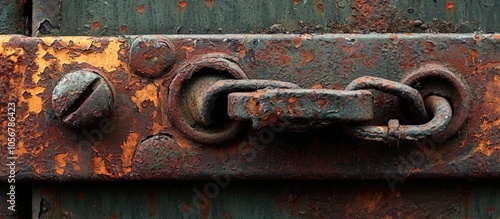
(82, 98)
(157, 155)
(152, 56)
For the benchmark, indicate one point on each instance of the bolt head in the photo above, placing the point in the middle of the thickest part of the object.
(82, 98)
(152, 56)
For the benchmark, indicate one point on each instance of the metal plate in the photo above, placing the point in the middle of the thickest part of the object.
(112, 17)
(46, 150)
(13, 18)
(277, 199)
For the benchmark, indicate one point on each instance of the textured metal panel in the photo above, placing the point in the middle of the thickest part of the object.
(113, 17)
(12, 20)
(46, 150)
(428, 199)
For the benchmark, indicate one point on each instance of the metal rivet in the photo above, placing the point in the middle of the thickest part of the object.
(152, 57)
(82, 98)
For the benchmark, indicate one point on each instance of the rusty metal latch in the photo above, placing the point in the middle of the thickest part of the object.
(291, 108)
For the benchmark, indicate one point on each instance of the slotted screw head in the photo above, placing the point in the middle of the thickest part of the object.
(81, 99)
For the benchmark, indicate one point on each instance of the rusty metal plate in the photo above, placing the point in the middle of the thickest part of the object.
(138, 141)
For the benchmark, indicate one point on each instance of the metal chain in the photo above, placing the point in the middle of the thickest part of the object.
(391, 134)
(437, 106)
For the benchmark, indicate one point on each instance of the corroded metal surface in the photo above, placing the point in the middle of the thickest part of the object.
(82, 98)
(46, 150)
(394, 132)
(408, 93)
(46, 17)
(208, 98)
(113, 17)
(13, 17)
(274, 199)
(152, 57)
(297, 109)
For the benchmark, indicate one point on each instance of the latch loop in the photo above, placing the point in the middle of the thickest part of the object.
(290, 108)
(394, 132)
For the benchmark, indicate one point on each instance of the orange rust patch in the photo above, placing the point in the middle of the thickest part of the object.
(141, 9)
(242, 50)
(149, 92)
(450, 5)
(123, 29)
(317, 86)
(99, 167)
(488, 145)
(322, 103)
(60, 163)
(307, 57)
(276, 53)
(96, 25)
(253, 104)
(296, 2)
(320, 5)
(373, 199)
(428, 46)
(475, 55)
(210, 3)
(291, 104)
(128, 148)
(496, 36)
(75, 161)
(297, 41)
(182, 4)
(393, 37)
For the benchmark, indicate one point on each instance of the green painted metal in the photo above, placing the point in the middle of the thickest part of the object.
(11, 17)
(111, 17)
(280, 199)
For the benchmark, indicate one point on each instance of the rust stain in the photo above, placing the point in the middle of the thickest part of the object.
(296, 2)
(319, 5)
(297, 41)
(317, 86)
(148, 93)
(128, 148)
(75, 160)
(276, 52)
(496, 36)
(96, 25)
(123, 29)
(490, 142)
(253, 104)
(99, 167)
(210, 3)
(291, 104)
(105, 57)
(322, 103)
(141, 9)
(450, 5)
(60, 163)
(372, 200)
(307, 57)
(393, 37)
(182, 4)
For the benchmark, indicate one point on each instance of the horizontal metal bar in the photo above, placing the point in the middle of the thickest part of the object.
(297, 109)
(46, 150)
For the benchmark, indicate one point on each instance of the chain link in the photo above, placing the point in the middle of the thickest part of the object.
(391, 134)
